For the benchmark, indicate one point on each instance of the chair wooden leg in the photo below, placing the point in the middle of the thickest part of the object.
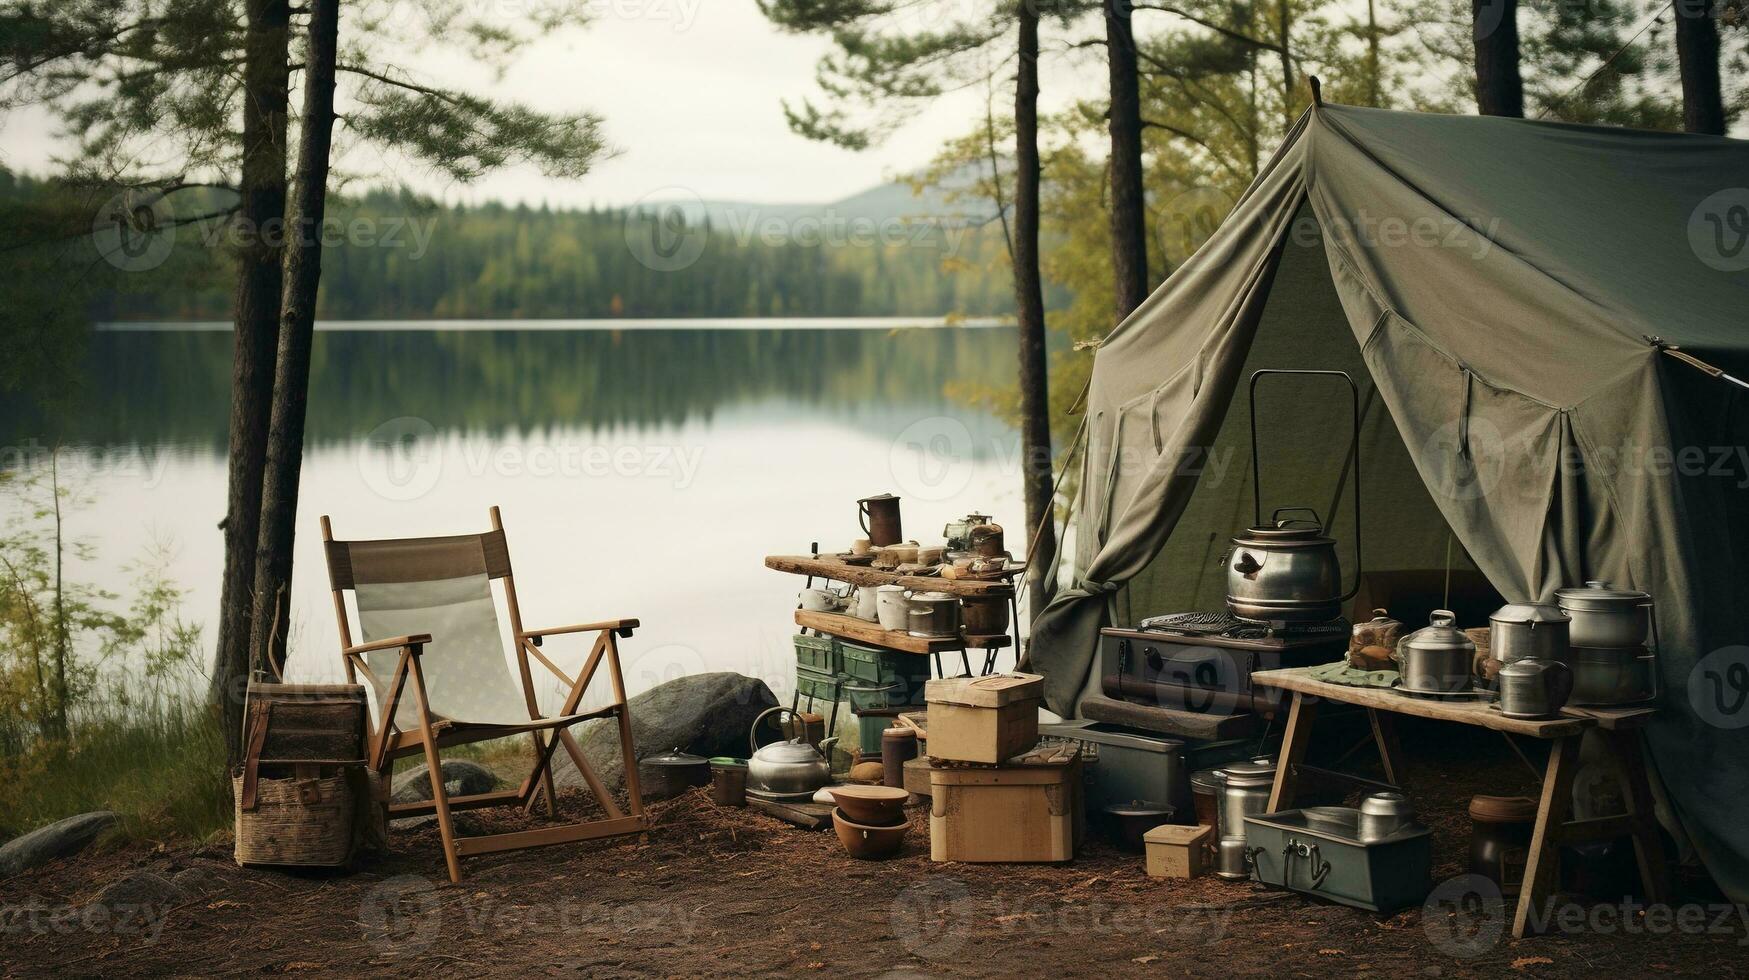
(1293, 751)
(1542, 864)
(434, 767)
(546, 781)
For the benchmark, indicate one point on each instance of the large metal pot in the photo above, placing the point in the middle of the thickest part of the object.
(933, 615)
(792, 767)
(1527, 631)
(1605, 616)
(1285, 571)
(1533, 687)
(1605, 676)
(1438, 659)
(671, 773)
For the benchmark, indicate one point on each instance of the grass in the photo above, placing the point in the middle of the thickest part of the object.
(164, 772)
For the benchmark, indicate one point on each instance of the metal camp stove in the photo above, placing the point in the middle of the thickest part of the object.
(1203, 661)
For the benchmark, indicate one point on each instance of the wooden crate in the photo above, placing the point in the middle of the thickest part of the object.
(1030, 810)
(1177, 850)
(320, 723)
(983, 719)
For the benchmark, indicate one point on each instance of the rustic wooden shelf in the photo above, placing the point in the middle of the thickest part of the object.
(837, 570)
(863, 631)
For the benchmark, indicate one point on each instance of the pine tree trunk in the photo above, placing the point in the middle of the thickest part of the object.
(1029, 303)
(1499, 88)
(1284, 38)
(261, 218)
(270, 617)
(1697, 52)
(1129, 236)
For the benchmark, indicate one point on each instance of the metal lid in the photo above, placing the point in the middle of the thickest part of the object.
(1527, 667)
(1442, 634)
(1529, 612)
(1211, 779)
(935, 597)
(1600, 596)
(674, 757)
(1274, 536)
(1251, 773)
(1388, 803)
(794, 750)
(1141, 808)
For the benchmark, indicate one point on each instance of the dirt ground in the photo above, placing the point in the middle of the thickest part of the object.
(714, 891)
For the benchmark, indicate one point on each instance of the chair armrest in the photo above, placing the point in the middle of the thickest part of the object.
(412, 640)
(623, 627)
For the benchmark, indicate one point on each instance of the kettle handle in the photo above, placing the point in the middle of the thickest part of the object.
(862, 515)
(752, 733)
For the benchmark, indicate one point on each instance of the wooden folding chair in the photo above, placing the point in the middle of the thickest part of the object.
(429, 622)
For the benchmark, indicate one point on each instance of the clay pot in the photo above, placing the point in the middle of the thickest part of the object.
(875, 806)
(866, 842)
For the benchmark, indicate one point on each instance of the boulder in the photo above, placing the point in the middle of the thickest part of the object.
(460, 778)
(63, 838)
(705, 714)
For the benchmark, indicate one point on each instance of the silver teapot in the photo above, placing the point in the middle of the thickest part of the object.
(790, 767)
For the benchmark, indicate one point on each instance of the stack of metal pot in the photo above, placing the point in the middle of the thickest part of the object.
(1530, 641)
(1609, 632)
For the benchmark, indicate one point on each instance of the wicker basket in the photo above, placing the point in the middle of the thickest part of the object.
(307, 822)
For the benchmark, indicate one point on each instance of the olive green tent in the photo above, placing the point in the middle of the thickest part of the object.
(1548, 323)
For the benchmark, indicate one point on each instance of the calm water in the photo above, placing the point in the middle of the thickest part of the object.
(642, 471)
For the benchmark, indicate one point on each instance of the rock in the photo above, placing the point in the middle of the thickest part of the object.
(705, 714)
(140, 890)
(460, 778)
(64, 838)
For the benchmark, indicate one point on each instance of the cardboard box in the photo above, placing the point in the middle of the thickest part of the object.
(983, 719)
(1177, 850)
(917, 776)
(1029, 809)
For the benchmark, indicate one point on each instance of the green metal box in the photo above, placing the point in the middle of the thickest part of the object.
(883, 678)
(819, 654)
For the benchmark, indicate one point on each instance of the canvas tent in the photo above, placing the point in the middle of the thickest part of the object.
(1547, 322)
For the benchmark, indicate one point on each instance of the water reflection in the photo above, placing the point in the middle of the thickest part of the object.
(642, 472)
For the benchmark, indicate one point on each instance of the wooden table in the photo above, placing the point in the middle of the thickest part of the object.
(1620, 731)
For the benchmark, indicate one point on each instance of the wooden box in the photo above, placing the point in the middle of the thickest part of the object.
(322, 723)
(984, 719)
(1027, 810)
(1177, 850)
(917, 776)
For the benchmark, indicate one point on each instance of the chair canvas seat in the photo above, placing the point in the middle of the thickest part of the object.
(466, 675)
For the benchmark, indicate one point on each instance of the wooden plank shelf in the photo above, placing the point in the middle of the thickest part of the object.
(863, 631)
(835, 569)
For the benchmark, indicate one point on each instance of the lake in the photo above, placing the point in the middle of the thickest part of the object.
(643, 469)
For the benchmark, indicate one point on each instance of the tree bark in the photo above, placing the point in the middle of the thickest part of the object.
(1697, 53)
(1499, 88)
(1374, 68)
(261, 217)
(1035, 421)
(270, 617)
(1129, 235)
(1284, 39)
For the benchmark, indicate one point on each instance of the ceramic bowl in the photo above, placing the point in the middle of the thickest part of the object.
(868, 843)
(876, 806)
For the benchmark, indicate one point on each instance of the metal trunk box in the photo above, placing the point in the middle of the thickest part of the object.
(1124, 765)
(1319, 851)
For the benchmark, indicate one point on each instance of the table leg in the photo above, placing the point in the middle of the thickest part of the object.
(1630, 759)
(1542, 865)
(1293, 751)
(1384, 734)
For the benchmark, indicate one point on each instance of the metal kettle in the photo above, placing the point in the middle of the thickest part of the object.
(959, 533)
(1533, 687)
(787, 767)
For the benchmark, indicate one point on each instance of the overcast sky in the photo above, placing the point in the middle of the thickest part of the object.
(690, 90)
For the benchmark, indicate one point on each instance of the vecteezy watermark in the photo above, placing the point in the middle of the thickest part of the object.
(667, 229)
(1465, 917)
(134, 230)
(407, 915)
(405, 458)
(1190, 219)
(145, 464)
(935, 918)
(1718, 688)
(1718, 230)
(35, 917)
